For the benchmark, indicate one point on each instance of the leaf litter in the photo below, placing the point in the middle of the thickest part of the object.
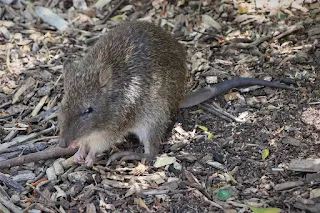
(240, 148)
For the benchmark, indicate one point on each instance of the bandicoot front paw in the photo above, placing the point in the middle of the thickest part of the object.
(80, 155)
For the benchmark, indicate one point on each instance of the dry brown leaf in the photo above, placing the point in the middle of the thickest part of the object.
(232, 96)
(142, 204)
(139, 170)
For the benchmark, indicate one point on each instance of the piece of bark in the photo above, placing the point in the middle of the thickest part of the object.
(313, 177)
(288, 185)
(305, 165)
(11, 183)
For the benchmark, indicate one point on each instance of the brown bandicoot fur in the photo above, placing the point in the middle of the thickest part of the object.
(131, 81)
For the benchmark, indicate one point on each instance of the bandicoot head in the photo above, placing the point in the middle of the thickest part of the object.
(87, 106)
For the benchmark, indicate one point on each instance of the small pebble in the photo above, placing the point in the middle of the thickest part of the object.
(81, 176)
(212, 79)
(51, 174)
(15, 198)
(291, 141)
(5, 32)
(58, 168)
(177, 166)
(44, 91)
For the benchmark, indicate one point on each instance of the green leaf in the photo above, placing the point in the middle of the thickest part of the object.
(234, 181)
(203, 128)
(224, 194)
(265, 210)
(197, 111)
(119, 17)
(265, 154)
(210, 136)
(282, 16)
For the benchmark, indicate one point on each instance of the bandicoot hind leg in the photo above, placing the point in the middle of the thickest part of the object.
(150, 136)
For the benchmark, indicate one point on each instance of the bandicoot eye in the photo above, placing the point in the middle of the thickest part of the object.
(88, 111)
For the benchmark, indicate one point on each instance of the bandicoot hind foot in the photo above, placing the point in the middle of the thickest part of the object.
(128, 155)
(90, 159)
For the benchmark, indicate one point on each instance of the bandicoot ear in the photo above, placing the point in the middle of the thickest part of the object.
(105, 77)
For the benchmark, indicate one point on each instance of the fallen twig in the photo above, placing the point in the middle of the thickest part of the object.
(8, 116)
(6, 104)
(7, 203)
(92, 39)
(253, 46)
(3, 209)
(114, 9)
(6, 145)
(288, 58)
(249, 45)
(38, 206)
(314, 103)
(196, 191)
(289, 31)
(11, 183)
(54, 152)
(221, 113)
(48, 201)
(27, 148)
(214, 111)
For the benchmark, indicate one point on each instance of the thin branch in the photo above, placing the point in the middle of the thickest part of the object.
(54, 152)
(289, 31)
(7, 203)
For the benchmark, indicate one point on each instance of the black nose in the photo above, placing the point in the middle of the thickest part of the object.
(62, 143)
